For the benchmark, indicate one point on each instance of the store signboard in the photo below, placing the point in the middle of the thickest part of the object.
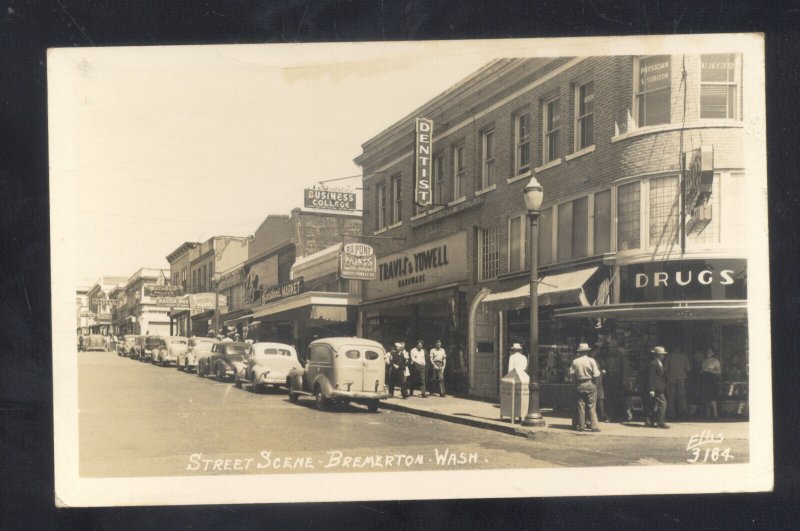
(426, 266)
(684, 280)
(172, 302)
(357, 261)
(231, 278)
(329, 199)
(206, 301)
(154, 290)
(423, 143)
(282, 291)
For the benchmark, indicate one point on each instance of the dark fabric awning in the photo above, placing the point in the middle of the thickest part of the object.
(329, 313)
(661, 311)
(563, 289)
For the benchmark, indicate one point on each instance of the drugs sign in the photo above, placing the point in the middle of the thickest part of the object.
(357, 262)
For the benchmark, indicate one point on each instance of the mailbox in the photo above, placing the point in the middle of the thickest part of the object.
(514, 395)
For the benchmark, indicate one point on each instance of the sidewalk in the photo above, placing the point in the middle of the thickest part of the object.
(486, 415)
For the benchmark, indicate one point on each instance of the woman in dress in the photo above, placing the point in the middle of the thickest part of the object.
(711, 374)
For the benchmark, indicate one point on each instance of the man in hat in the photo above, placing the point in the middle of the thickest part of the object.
(656, 385)
(438, 362)
(397, 369)
(584, 372)
(517, 360)
(419, 368)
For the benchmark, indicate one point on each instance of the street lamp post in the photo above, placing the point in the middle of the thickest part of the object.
(533, 202)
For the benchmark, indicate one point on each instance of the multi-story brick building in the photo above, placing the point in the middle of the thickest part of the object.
(605, 137)
(141, 314)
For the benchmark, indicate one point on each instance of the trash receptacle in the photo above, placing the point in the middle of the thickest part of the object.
(514, 395)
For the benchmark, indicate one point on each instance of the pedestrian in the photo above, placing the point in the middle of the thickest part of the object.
(438, 362)
(237, 337)
(584, 372)
(517, 360)
(602, 416)
(398, 368)
(710, 377)
(656, 386)
(678, 368)
(419, 370)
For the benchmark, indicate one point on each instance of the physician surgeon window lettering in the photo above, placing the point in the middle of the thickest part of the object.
(653, 90)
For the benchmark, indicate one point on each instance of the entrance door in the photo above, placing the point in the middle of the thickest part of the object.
(486, 374)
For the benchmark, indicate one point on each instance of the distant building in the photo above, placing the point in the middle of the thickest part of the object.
(101, 305)
(140, 312)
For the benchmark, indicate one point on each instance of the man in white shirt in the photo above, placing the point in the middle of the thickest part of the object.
(438, 362)
(518, 361)
(418, 369)
(584, 371)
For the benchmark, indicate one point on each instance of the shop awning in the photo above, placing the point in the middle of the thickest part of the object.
(238, 316)
(309, 298)
(661, 311)
(329, 313)
(554, 290)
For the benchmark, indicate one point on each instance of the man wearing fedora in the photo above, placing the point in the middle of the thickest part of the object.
(584, 372)
(518, 360)
(656, 385)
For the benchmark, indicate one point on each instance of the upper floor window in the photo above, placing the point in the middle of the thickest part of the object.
(380, 206)
(653, 90)
(573, 229)
(397, 199)
(551, 128)
(488, 253)
(459, 170)
(719, 86)
(438, 180)
(522, 141)
(516, 243)
(544, 248)
(664, 212)
(602, 222)
(487, 175)
(584, 116)
(628, 216)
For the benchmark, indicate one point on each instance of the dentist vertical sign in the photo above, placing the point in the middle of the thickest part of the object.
(422, 161)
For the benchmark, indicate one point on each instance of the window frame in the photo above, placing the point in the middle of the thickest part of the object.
(617, 240)
(483, 236)
(520, 142)
(523, 243)
(578, 125)
(548, 133)
(396, 190)
(459, 174)
(637, 93)
(437, 179)
(380, 205)
(737, 83)
(488, 166)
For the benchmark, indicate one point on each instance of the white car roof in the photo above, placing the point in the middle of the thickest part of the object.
(269, 344)
(337, 342)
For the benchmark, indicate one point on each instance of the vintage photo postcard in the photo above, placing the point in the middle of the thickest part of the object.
(417, 270)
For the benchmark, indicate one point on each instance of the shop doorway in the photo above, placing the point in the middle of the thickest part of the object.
(486, 375)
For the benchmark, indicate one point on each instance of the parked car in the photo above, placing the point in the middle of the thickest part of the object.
(137, 351)
(340, 370)
(125, 347)
(198, 347)
(267, 364)
(168, 349)
(150, 344)
(224, 360)
(94, 342)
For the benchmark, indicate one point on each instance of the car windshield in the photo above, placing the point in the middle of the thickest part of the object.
(277, 352)
(178, 342)
(235, 356)
(236, 350)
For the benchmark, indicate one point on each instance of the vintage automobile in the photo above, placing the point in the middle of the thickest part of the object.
(267, 364)
(150, 344)
(168, 349)
(125, 347)
(137, 351)
(198, 347)
(341, 370)
(94, 342)
(224, 359)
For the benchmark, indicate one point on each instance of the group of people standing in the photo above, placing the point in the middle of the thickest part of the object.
(410, 370)
(664, 385)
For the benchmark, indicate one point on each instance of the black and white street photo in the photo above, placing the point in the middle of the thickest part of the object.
(365, 271)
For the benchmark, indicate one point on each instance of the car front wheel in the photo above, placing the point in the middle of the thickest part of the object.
(220, 374)
(372, 406)
(320, 400)
(293, 396)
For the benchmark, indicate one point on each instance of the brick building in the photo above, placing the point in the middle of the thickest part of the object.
(605, 137)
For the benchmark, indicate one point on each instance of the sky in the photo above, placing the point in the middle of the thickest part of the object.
(174, 144)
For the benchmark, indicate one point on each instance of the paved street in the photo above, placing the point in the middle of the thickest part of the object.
(137, 419)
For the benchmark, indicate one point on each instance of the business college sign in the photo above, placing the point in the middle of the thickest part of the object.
(357, 261)
(684, 280)
(423, 142)
(426, 266)
(329, 199)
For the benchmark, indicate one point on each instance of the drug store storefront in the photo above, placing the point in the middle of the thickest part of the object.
(688, 305)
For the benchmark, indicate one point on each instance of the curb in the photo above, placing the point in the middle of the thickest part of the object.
(509, 429)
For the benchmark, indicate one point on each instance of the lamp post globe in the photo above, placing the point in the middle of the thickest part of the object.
(534, 193)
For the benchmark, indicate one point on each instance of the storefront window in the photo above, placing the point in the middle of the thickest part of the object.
(653, 91)
(664, 212)
(628, 216)
(718, 86)
(602, 222)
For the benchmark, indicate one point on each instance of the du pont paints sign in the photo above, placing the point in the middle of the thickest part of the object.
(684, 280)
(422, 161)
(426, 266)
(357, 261)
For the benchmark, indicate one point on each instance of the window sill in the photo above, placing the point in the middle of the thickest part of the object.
(419, 216)
(552, 164)
(455, 202)
(390, 227)
(379, 231)
(486, 190)
(519, 177)
(705, 124)
(584, 151)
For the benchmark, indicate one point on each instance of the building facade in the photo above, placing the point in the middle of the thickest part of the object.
(141, 312)
(101, 304)
(611, 140)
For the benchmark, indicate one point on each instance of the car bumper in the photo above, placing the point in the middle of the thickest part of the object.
(359, 395)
